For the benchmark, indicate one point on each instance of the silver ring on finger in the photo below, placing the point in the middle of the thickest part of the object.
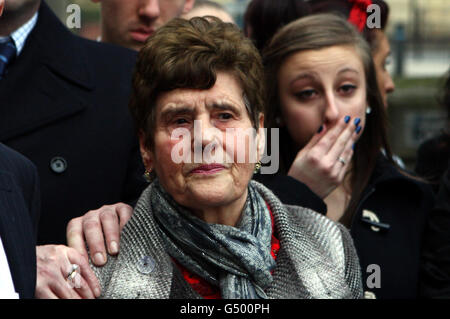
(341, 160)
(72, 274)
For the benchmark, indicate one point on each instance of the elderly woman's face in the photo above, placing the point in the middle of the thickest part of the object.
(319, 88)
(209, 116)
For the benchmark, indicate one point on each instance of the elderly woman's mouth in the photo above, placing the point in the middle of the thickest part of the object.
(207, 169)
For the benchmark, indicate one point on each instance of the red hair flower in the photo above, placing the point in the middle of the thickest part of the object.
(358, 13)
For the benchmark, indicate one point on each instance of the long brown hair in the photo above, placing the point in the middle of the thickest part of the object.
(317, 32)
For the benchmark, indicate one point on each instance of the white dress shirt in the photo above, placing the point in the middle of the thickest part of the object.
(7, 290)
(21, 34)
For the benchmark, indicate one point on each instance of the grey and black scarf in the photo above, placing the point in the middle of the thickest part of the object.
(236, 259)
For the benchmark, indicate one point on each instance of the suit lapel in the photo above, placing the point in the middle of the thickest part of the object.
(52, 71)
(47, 99)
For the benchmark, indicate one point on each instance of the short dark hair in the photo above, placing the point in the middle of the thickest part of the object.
(187, 54)
(343, 8)
(265, 17)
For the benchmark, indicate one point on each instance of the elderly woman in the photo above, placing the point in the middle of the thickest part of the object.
(205, 229)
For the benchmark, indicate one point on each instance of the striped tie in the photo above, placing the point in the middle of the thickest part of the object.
(7, 53)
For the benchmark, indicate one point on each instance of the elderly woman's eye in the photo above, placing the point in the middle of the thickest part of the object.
(225, 116)
(181, 121)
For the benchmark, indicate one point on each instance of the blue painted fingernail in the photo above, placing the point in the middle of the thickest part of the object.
(353, 146)
(320, 129)
(358, 129)
(357, 121)
(347, 119)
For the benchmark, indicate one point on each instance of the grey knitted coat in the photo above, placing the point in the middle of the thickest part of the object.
(317, 258)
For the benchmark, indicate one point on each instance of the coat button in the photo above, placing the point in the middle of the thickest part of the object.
(58, 165)
(373, 217)
(369, 295)
(146, 265)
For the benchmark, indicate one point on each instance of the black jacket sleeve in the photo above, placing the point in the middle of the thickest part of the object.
(435, 267)
(292, 192)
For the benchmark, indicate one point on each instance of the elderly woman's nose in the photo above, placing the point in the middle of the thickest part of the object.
(209, 132)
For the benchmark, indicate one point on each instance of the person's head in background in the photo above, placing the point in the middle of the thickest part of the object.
(129, 23)
(280, 13)
(263, 18)
(209, 8)
(433, 155)
(16, 13)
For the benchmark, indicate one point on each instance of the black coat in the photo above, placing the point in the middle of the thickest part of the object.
(435, 280)
(433, 158)
(291, 191)
(19, 215)
(63, 104)
(402, 206)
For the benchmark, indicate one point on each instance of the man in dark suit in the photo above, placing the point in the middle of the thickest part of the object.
(19, 214)
(63, 104)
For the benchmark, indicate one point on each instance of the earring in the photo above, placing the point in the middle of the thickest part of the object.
(147, 175)
(278, 121)
(257, 167)
(368, 109)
